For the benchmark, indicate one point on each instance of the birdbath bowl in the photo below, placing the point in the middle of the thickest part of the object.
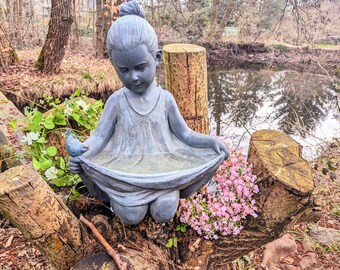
(151, 175)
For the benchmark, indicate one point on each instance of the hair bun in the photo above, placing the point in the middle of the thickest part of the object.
(131, 8)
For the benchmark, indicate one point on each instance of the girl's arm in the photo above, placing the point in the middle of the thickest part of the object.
(104, 129)
(192, 138)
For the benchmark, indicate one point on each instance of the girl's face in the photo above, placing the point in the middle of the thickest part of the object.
(136, 68)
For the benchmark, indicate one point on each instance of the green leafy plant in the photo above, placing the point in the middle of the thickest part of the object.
(172, 242)
(181, 227)
(77, 113)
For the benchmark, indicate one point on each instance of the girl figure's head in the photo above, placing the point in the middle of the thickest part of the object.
(133, 48)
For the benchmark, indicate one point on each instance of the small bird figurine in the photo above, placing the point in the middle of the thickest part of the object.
(74, 147)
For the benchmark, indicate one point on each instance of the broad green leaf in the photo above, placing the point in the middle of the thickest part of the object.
(170, 243)
(49, 125)
(76, 117)
(49, 119)
(36, 164)
(41, 140)
(59, 182)
(59, 119)
(175, 241)
(51, 151)
(34, 126)
(181, 227)
(45, 163)
(62, 163)
(36, 117)
(60, 172)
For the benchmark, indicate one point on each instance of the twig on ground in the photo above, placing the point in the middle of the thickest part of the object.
(113, 253)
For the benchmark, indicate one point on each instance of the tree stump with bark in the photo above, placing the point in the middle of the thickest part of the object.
(185, 74)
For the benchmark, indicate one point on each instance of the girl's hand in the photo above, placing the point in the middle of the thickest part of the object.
(221, 148)
(74, 164)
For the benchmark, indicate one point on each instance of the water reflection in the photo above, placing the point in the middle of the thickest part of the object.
(242, 101)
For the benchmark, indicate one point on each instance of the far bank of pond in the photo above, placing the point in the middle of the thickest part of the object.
(277, 57)
(303, 105)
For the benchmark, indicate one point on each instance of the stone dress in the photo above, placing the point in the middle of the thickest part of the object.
(143, 159)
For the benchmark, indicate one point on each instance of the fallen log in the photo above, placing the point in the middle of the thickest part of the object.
(33, 207)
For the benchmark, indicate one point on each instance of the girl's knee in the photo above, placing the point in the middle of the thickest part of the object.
(131, 215)
(164, 208)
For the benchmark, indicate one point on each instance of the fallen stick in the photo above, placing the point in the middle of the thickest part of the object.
(113, 253)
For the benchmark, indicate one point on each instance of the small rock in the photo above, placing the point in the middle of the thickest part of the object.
(308, 260)
(307, 245)
(326, 236)
(277, 250)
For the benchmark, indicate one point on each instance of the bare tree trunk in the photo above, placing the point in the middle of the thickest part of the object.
(74, 42)
(99, 29)
(213, 19)
(115, 8)
(7, 54)
(107, 21)
(53, 51)
(107, 11)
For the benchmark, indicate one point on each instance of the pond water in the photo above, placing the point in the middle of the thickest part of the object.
(300, 104)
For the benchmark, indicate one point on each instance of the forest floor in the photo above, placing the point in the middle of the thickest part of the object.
(23, 85)
(317, 242)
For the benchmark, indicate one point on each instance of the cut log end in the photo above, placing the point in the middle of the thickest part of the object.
(183, 48)
(281, 157)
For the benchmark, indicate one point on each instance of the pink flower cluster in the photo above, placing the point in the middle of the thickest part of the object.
(221, 207)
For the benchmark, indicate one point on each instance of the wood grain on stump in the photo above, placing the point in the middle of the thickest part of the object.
(32, 206)
(185, 74)
(285, 179)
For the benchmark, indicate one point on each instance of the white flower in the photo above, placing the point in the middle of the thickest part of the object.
(30, 137)
(82, 104)
(68, 111)
(51, 173)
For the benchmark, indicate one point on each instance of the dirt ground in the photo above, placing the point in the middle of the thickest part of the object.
(24, 83)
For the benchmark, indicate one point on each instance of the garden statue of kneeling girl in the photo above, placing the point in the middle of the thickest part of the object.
(142, 156)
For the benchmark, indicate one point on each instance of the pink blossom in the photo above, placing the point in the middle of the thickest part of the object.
(223, 207)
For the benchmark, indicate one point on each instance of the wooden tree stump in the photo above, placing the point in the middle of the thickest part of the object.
(285, 182)
(32, 206)
(285, 179)
(185, 73)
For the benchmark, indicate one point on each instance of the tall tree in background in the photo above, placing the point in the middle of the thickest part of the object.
(53, 51)
(222, 12)
(7, 53)
(107, 12)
